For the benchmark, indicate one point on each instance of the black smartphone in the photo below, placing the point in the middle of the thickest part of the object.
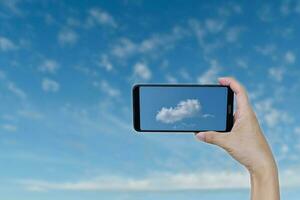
(182, 108)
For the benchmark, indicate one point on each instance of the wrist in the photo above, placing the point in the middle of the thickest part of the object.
(265, 183)
(264, 172)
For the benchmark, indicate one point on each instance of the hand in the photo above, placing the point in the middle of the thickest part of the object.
(247, 144)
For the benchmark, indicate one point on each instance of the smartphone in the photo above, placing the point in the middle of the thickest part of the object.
(182, 108)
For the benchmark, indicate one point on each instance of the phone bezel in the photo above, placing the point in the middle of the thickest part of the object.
(136, 106)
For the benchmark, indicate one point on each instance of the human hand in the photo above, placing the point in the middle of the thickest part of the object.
(245, 142)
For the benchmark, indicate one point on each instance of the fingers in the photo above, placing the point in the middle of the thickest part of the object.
(213, 137)
(238, 89)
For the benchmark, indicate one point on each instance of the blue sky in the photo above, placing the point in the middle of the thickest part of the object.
(183, 108)
(66, 72)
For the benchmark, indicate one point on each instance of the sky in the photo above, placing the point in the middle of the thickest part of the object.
(183, 108)
(66, 73)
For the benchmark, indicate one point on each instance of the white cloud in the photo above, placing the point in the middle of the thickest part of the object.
(49, 85)
(233, 33)
(161, 181)
(12, 87)
(9, 127)
(6, 44)
(207, 116)
(157, 42)
(48, 65)
(104, 62)
(171, 79)
(101, 17)
(288, 7)
(16, 90)
(290, 57)
(265, 13)
(142, 71)
(285, 8)
(271, 115)
(124, 48)
(12, 5)
(241, 63)
(198, 28)
(202, 30)
(107, 88)
(230, 9)
(2, 75)
(267, 50)
(30, 114)
(276, 73)
(67, 36)
(185, 75)
(211, 75)
(184, 109)
(214, 25)
(73, 22)
(155, 182)
(297, 130)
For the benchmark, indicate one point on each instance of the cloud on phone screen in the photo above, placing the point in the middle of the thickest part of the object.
(184, 109)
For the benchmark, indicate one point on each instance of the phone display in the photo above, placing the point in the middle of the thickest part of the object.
(182, 108)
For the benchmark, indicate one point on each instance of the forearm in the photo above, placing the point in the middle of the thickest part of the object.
(265, 184)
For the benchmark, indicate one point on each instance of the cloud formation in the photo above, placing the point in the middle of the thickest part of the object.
(210, 76)
(142, 71)
(49, 85)
(67, 36)
(6, 44)
(49, 66)
(157, 182)
(160, 182)
(101, 17)
(184, 109)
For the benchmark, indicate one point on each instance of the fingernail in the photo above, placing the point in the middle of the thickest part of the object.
(201, 136)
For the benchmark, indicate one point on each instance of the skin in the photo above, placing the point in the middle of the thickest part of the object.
(247, 144)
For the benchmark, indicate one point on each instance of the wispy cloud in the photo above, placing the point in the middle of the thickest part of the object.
(100, 17)
(155, 182)
(9, 127)
(30, 114)
(107, 88)
(125, 47)
(160, 181)
(265, 13)
(6, 44)
(171, 79)
(67, 37)
(271, 115)
(290, 57)
(184, 109)
(105, 63)
(12, 86)
(49, 85)
(233, 34)
(276, 73)
(214, 25)
(142, 71)
(49, 66)
(16, 90)
(267, 50)
(240, 62)
(12, 6)
(211, 75)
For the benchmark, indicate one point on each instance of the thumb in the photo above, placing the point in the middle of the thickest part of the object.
(213, 137)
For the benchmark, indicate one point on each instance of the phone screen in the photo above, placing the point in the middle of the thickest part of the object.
(184, 108)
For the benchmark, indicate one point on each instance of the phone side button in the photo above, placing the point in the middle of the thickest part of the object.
(229, 109)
